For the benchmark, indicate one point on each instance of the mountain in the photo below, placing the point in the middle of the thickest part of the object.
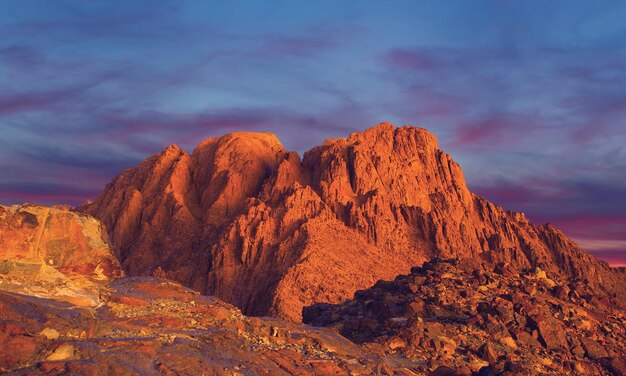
(250, 222)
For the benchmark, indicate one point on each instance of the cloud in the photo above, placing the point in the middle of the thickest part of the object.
(302, 46)
(188, 130)
(56, 97)
(602, 244)
(590, 212)
(11, 104)
(69, 22)
(577, 88)
(499, 129)
(46, 193)
(19, 57)
(415, 60)
(551, 196)
(588, 226)
(82, 157)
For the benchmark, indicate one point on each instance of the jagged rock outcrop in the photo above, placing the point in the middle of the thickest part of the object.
(248, 221)
(54, 253)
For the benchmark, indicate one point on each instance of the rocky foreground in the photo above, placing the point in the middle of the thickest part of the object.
(456, 319)
(147, 326)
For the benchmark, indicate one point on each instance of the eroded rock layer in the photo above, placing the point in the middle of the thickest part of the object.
(246, 220)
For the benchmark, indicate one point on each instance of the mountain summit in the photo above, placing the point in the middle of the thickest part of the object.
(250, 222)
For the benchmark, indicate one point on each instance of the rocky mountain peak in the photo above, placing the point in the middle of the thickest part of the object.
(248, 221)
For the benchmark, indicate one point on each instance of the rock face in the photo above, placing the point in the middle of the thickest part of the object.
(456, 319)
(56, 253)
(245, 220)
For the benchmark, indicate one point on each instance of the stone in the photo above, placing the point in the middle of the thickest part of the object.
(552, 332)
(489, 353)
(592, 349)
(462, 327)
(443, 371)
(578, 351)
(509, 341)
(31, 236)
(128, 338)
(396, 343)
(617, 365)
(447, 346)
(527, 339)
(63, 352)
(50, 333)
(328, 239)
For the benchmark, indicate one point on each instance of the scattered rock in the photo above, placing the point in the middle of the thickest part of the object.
(593, 350)
(396, 343)
(504, 329)
(552, 332)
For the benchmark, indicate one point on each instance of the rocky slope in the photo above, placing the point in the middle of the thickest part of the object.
(246, 220)
(456, 319)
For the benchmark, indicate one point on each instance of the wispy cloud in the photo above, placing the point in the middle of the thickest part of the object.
(602, 245)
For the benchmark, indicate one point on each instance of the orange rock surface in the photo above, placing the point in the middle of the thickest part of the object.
(246, 220)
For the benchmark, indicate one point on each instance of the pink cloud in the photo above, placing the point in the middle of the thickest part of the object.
(501, 129)
(587, 226)
(614, 258)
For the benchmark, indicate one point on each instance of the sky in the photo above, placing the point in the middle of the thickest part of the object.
(528, 96)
